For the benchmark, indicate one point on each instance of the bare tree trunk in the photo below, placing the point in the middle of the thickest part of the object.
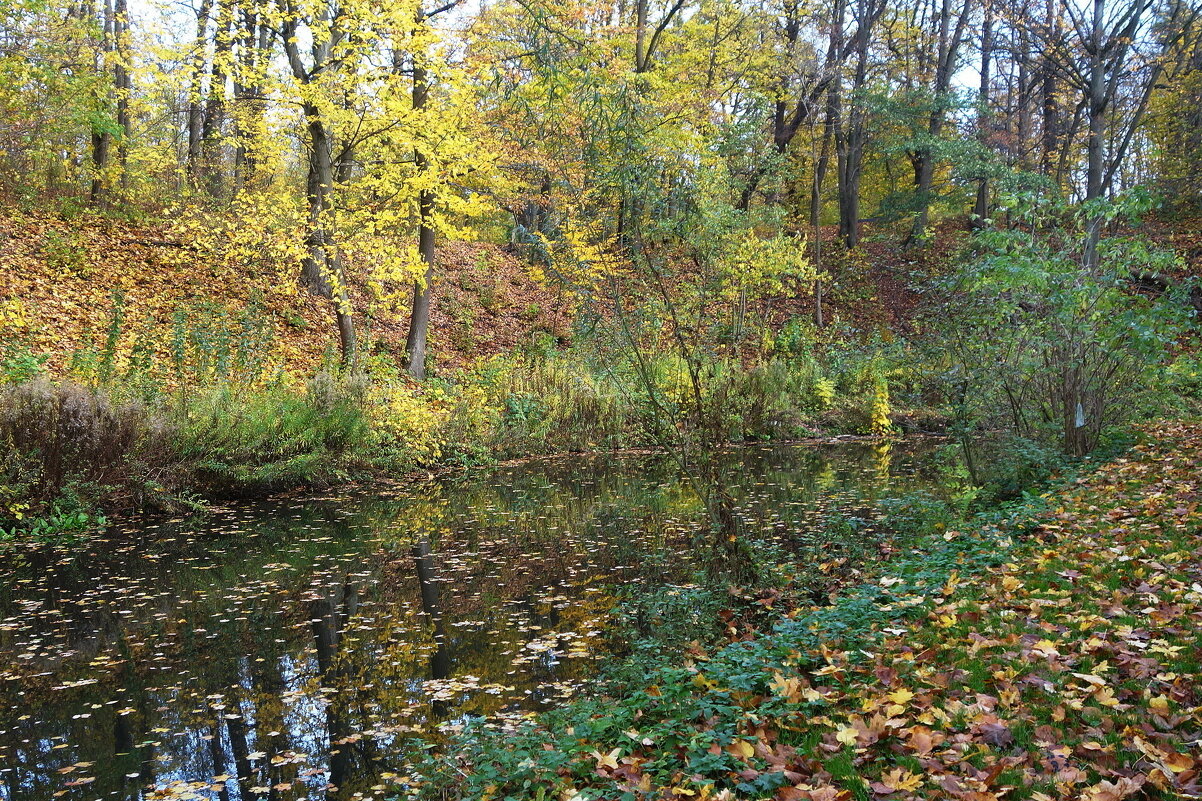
(951, 34)
(214, 115)
(850, 143)
(248, 95)
(822, 165)
(786, 121)
(322, 269)
(195, 108)
(1095, 144)
(981, 207)
(419, 319)
(1051, 104)
(640, 36)
(124, 86)
(102, 140)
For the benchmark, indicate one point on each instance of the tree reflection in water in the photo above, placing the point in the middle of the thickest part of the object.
(292, 649)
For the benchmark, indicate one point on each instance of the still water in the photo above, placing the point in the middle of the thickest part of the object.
(299, 648)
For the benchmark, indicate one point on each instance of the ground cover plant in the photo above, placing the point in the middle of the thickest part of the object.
(1048, 651)
(600, 399)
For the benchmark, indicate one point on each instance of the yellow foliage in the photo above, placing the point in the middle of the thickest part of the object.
(824, 391)
(13, 314)
(583, 255)
(757, 266)
(260, 228)
(406, 417)
(880, 423)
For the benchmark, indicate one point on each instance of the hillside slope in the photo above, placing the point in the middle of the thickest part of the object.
(70, 285)
(65, 283)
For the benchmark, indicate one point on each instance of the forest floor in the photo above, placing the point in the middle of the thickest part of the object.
(1058, 657)
(63, 275)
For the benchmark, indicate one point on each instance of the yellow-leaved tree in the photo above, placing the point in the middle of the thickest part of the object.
(392, 153)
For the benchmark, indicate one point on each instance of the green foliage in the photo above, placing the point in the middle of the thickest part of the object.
(1054, 347)
(1009, 466)
(19, 364)
(660, 698)
(65, 523)
(65, 252)
(275, 437)
(210, 342)
(916, 516)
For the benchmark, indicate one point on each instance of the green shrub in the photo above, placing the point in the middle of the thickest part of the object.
(66, 522)
(1052, 346)
(65, 252)
(276, 437)
(916, 515)
(19, 365)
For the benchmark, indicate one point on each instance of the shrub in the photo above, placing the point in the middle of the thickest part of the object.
(275, 437)
(408, 424)
(66, 253)
(64, 523)
(916, 515)
(1056, 347)
(57, 435)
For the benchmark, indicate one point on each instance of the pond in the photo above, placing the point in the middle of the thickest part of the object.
(298, 648)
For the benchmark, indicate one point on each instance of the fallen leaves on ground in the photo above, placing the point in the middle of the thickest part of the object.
(1070, 672)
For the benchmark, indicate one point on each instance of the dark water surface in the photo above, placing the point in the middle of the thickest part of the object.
(296, 648)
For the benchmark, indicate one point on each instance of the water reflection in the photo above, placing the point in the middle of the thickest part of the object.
(292, 649)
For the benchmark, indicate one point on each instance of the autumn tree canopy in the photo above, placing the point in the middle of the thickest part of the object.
(373, 132)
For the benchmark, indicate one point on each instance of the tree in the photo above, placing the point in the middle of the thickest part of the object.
(851, 136)
(336, 47)
(1107, 48)
(419, 319)
(1054, 346)
(941, 58)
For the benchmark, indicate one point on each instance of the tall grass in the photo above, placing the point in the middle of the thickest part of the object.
(63, 439)
(274, 438)
(212, 417)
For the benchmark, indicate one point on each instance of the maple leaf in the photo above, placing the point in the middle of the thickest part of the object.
(897, 780)
(1108, 791)
(608, 760)
(847, 735)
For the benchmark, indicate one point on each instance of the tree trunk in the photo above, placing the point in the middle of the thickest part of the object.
(1051, 105)
(195, 108)
(821, 166)
(214, 115)
(102, 140)
(419, 320)
(980, 209)
(851, 142)
(249, 98)
(1095, 166)
(124, 86)
(322, 269)
(924, 179)
(951, 34)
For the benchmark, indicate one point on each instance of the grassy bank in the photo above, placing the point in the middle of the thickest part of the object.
(114, 435)
(1048, 652)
